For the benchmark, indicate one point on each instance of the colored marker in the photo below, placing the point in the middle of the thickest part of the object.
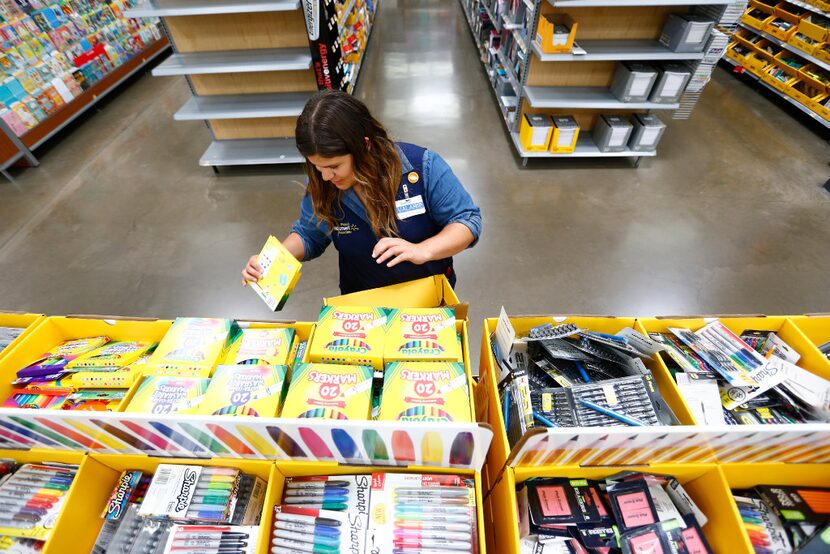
(305, 547)
(417, 535)
(312, 520)
(319, 540)
(336, 506)
(409, 509)
(210, 535)
(306, 528)
(316, 484)
(325, 498)
(434, 491)
(431, 526)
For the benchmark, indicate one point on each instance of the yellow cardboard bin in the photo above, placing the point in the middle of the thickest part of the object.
(811, 359)
(19, 320)
(745, 476)
(488, 378)
(815, 327)
(551, 41)
(757, 20)
(704, 483)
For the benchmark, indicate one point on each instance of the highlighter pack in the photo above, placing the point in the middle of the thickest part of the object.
(281, 271)
(421, 334)
(425, 391)
(329, 391)
(352, 336)
(191, 348)
(245, 390)
(260, 347)
(168, 395)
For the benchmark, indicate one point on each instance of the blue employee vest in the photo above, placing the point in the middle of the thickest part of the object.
(354, 239)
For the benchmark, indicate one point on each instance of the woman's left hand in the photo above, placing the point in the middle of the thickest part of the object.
(399, 251)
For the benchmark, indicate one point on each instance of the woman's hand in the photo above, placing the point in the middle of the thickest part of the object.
(399, 250)
(252, 272)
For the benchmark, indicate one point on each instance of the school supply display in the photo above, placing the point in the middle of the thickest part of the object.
(636, 513)
(326, 513)
(265, 346)
(329, 391)
(786, 519)
(425, 391)
(280, 273)
(752, 376)
(245, 390)
(168, 395)
(424, 334)
(32, 497)
(192, 347)
(54, 51)
(349, 335)
(564, 376)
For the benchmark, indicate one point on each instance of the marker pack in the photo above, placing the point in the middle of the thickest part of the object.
(349, 335)
(212, 539)
(32, 498)
(414, 512)
(266, 346)
(281, 271)
(91, 400)
(168, 395)
(245, 390)
(797, 504)
(422, 334)
(114, 378)
(425, 391)
(111, 355)
(57, 358)
(329, 391)
(191, 348)
(297, 529)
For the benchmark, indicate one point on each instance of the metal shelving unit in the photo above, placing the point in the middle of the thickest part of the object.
(792, 101)
(787, 46)
(173, 8)
(546, 87)
(616, 50)
(252, 69)
(590, 98)
(235, 61)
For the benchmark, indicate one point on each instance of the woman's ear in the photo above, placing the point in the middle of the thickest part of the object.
(368, 144)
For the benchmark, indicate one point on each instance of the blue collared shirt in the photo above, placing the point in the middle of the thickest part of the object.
(447, 201)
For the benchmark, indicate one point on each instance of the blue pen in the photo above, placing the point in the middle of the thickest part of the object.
(614, 338)
(611, 413)
(543, 420)
(582, 371)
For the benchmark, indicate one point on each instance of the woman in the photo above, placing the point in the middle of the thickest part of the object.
(395, 212)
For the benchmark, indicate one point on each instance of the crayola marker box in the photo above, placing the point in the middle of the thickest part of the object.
(260, 347)
(421, 334)
(425, 391)
(281, 271)
(120, 378)
(351, 336)
(245, 390)
(168, 395)
(191, 348)
(331, 391)
(111, 356)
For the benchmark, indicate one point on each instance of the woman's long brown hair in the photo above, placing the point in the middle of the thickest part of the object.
(334, 123)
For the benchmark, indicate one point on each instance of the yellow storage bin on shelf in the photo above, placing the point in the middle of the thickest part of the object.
(500, 448)
(747, 476)
(744, 36)
(805, 92)
(784, 24)
(556, 33)
(704, 483)
(758, 62)
(23, 322)
(757, 15)
(101, 472)
(815, 327)
(66, 529)
(810, 358)
(804, 43)
(286, 469)
(565, 134)
(535, 132)
(809, 28)
(779, 75)
(740, 52)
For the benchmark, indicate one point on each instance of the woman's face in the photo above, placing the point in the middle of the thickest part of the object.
(339, 170)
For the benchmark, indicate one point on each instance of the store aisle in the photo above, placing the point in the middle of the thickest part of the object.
(729, 218)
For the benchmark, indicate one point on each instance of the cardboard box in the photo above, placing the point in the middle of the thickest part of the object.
(18, 320)
(612, 132)
(633, 81)
(556, 33)
(647, 132)
(686, 32)
(535, 132)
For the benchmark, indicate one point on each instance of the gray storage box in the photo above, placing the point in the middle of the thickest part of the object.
(671, 83)
(633, 81)
(647, 132)
(686, 33)
(611, 133)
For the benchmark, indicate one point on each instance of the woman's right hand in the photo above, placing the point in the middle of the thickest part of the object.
(252, 272)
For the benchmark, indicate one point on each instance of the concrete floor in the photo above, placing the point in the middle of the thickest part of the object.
(729, 218)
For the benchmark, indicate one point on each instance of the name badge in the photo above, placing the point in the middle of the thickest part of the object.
(409, 207)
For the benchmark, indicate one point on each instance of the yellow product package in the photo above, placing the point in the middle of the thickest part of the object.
(112, 355)
(118, 378)
(191, 348)
(425, 391)
(168, 395)
(281, 271)
(329, 391)
(349, 336)
(260, 347)
(245, 390)
(421, 334)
